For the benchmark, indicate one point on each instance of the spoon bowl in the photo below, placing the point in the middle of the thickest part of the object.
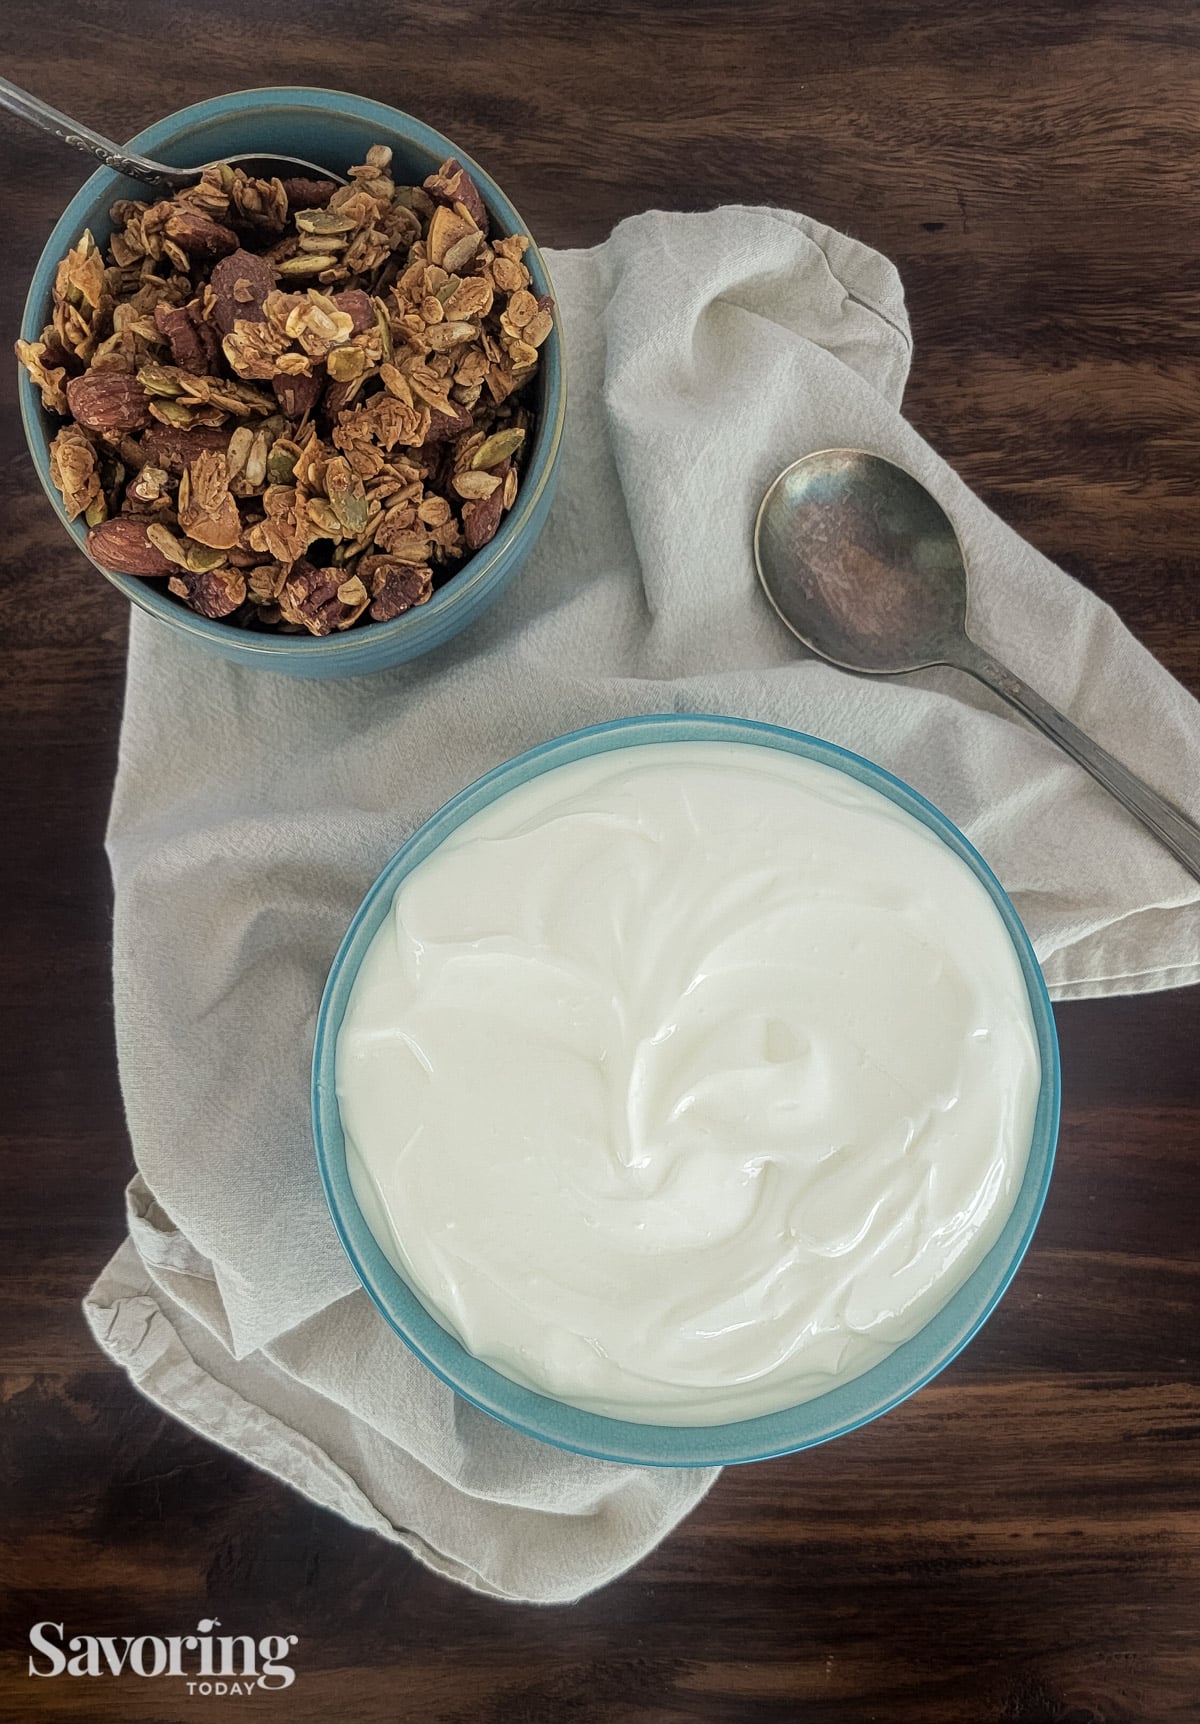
(865, 568)
(262, 167)
(862, 564)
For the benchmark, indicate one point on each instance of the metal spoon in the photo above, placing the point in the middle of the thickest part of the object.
(123, 161)
(866, 569)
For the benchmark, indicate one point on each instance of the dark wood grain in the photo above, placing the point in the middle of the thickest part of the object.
(1021, 1542)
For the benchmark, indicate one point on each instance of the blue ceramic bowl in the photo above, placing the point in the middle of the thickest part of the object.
(829, 1415)
(336, 130)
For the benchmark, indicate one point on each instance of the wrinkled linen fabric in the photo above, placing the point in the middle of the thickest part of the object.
(251, 812)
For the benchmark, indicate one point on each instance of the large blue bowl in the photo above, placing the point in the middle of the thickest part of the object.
(829, 1415)
(335, 130)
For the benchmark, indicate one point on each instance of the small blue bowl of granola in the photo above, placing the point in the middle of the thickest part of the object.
(314, 428)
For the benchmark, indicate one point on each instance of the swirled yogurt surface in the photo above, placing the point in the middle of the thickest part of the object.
(686, 1081)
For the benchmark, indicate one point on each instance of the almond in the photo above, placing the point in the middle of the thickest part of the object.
(452, 184)
(442, 426)
(173, 446)
(395, 586)
(480, 520)
(212, 593)
(357, 306)
(123, 547)
(298, 395)
(237, 288)
(308, 194)
(194, 344)
(108, 401)
(199, 235)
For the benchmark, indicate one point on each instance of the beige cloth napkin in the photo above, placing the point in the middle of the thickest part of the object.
(252, 812)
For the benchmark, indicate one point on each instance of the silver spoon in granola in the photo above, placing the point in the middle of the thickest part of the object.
(865, 568)
(137, 167)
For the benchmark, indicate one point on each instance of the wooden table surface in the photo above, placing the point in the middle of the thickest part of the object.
(1021, 1541)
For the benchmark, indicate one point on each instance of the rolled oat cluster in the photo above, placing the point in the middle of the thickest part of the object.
(298, 403)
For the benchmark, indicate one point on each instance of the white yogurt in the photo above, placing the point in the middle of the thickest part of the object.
(685, 1082)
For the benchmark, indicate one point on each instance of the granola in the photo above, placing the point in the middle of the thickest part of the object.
(297, 404)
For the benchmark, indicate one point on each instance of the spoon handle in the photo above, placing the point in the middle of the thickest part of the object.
(1170, 825)
(69, 131)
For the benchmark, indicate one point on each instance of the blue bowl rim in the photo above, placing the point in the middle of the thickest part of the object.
(620, 1440)
(165, 135)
